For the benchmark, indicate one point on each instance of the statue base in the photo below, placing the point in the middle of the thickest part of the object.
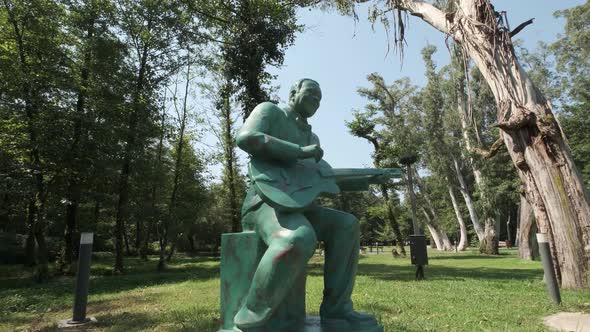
(313, 324)
(240, 254)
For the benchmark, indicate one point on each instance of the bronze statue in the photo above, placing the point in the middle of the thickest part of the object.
(287, 173)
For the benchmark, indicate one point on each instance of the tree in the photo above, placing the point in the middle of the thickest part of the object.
(254, 34)
(535, 140)
(363, 126)
(572, 55)
(32, 56)
(154, 33)
(95, 53)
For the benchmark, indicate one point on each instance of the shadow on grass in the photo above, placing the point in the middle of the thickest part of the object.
(138, 273)
(24, 295)
(471, 256)
(130, 313)
(434, 272)
(113, 284)
(122, 322)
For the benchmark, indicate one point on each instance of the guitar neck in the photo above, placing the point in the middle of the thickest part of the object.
(354, 172)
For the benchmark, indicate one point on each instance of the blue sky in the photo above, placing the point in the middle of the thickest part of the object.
(339, 53)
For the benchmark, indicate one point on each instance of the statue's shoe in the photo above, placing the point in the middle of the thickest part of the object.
(351, 322)
(248, 320)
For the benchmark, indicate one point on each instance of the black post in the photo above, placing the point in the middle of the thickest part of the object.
(418, 252)
(81, 297)
(548, 268)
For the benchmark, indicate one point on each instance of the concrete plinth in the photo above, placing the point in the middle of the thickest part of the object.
(240, 255)
(68, 323)
(568, 322)
(313, 324)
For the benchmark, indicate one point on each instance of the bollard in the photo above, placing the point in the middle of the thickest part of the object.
(548, 268)
(82, 278)
(418, 254)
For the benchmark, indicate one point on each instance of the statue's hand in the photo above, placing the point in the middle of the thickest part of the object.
(311, 151)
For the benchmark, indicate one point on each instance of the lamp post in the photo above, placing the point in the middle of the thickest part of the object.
(82, 279)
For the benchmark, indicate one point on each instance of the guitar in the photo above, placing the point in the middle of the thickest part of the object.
(294, 187)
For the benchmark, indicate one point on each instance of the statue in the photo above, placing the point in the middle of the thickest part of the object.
(287, 173)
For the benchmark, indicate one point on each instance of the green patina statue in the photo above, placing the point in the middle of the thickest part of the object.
(287, 173)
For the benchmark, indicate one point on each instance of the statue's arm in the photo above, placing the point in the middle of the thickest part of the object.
(253, 137)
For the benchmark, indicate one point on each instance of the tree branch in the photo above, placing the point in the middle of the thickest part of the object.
(423, 10)
(487, 154)
(520, 27)
(520, 119)
(427, 12)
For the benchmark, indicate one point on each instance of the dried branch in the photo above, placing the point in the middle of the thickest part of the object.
(487, 154)
(520, 27)
(518, 120)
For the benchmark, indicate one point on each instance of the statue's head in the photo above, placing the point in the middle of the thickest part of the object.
(305, 96)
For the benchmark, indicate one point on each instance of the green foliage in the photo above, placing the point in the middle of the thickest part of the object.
(572, 54)
(254, 35)
(85, 102)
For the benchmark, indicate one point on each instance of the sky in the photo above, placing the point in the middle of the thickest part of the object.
(339, 53)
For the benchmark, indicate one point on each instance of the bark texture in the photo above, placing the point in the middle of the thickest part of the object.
(489, 242)
(439, 235)
(477, 227)
(528, 248)
(463, 241)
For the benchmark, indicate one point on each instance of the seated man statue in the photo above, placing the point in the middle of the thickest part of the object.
(287, 172)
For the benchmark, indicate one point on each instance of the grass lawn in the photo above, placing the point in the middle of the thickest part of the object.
(463, 292)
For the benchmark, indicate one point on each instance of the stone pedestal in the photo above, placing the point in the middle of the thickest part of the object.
(240, 255)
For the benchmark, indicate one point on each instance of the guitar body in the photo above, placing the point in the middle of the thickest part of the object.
(291, 187)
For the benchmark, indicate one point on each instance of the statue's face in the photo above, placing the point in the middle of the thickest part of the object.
(306, 101)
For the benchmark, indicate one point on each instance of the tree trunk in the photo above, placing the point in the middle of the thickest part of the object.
(30, 256)
(438, 244)
(126, 240)
(535, 141)
(489, 243)
(67, 257)
(122, 205)
(30, 95)
(393, 222)
(191, 241)
(230, 159)
(463, 242)
(176, 182)
(74, 186)
(42, 268)
(477, 227)
(138, 236)
(163, 245)
(445, 243)
(527, 229)
(172, 250)
(385, 193)
(439, 236)
(155, 185)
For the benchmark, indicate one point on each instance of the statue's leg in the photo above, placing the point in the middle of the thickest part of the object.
(291, 242)
(341, 235)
